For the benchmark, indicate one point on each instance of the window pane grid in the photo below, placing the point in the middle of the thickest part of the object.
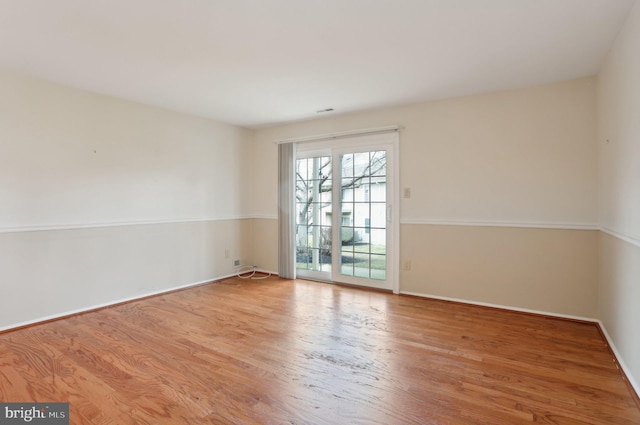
(313, 213)
(363, 197)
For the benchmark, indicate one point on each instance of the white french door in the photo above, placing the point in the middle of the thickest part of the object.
(346, 228)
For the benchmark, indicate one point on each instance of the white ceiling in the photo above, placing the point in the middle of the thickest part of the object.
(261, 62)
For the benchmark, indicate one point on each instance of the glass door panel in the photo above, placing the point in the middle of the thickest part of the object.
(363, 206)
(313, 215)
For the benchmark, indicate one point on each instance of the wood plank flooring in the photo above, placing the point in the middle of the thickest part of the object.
(297, 352)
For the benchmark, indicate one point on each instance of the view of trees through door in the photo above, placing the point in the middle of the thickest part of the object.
(360, 188)
(313, 214)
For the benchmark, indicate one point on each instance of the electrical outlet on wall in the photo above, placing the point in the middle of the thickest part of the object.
(406, 265)
(236, 263)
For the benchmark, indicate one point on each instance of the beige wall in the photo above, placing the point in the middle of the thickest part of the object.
(516, 158)
(264, 247)
(548, 270)
(519, 156)
(619, 194)
(80, 173)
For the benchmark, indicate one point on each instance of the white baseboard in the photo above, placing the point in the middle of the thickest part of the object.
(107, 304)
(119, 301)
(623, 365)
(504, 307)
(625, 369)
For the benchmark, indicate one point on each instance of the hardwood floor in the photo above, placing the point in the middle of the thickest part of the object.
(298, 352)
